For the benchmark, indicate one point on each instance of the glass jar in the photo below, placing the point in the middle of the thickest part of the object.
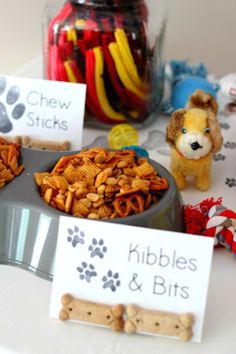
(115, 47)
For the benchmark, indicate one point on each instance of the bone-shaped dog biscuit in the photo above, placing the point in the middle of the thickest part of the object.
(159, 322)
(92, 312)
(45, 145)
(12, 139)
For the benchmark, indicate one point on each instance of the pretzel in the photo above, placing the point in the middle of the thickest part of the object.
(137, 203)
(122, 206)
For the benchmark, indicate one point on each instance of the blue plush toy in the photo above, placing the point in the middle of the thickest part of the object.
(186, 87)
(183, 80)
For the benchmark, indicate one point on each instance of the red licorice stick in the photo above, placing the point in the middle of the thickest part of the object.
(119, 20)
(53, 63)
(68, 50)
(62, 41)
(82, 46)
(89, 31)
(90, 74)
(78, 75)
(62, 75)
(106, 26)
(61, 17)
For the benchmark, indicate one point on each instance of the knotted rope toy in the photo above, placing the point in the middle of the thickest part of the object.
(210, 218)
(222, 226)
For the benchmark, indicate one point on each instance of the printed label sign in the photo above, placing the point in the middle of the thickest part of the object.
(112, 263)
(41, 109)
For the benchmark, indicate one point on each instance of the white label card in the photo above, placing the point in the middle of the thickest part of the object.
(43, 110)
(112, 263)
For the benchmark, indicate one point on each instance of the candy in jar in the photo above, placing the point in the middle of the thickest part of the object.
(115, 47)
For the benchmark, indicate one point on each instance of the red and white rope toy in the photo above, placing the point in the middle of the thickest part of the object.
(222, 226)
(210, 218)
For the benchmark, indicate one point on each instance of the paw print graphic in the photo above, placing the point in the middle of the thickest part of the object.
(87, 271)
(111, 281)
(9, 109)
(231, 182)
(75, 236)
(230, 145)
(225, 126)
(97, 248)
(156, 139)
(219, 157)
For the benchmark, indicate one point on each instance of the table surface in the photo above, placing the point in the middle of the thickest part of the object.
(25, 326)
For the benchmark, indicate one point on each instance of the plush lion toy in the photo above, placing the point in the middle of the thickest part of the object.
(194, 136)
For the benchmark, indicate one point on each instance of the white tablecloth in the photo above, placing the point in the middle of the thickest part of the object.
(26, 328)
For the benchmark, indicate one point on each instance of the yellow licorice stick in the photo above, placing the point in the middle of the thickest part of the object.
(69, 72)
(100, 88)
(72, 36)
(123, 44)
(122, 72)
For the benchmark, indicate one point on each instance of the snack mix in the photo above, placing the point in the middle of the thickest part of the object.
(9, 161)
(101, 184)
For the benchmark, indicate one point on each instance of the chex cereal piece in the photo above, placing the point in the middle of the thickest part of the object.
(82, 174)
(91, 169)
(6, 175)
(71, 174)
(9, 161)
(144, 170)
(130, 172)
(4, 155)
(63, 161)
(50, 181)
(39, 177)
(78, 208)
(141, 184)
(2, 166)
(104, 212)
(61, 182)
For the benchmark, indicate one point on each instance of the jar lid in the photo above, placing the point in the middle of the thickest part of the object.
(137, 8)
(106, 3)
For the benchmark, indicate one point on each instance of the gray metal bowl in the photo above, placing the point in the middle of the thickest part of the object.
(29, 227)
